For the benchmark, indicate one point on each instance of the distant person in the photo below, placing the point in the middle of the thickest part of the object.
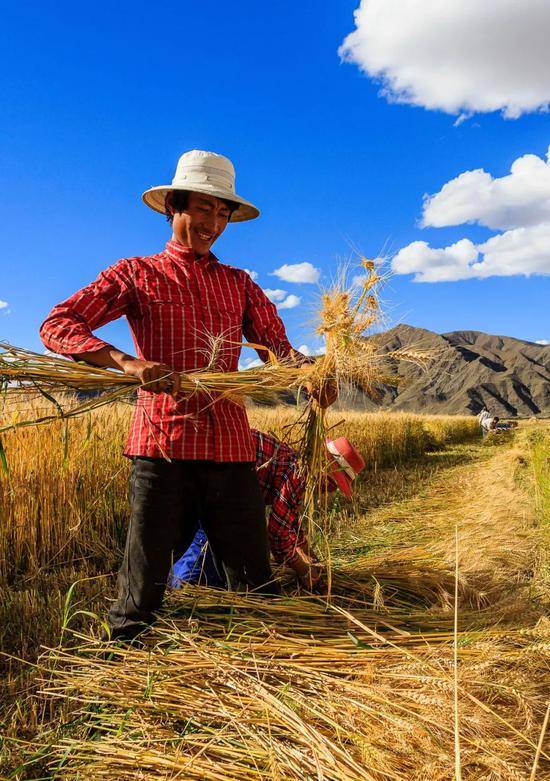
(282, 483)
(486, 422)
(491, 423)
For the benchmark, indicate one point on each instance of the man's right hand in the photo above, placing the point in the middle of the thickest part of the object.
(312, 578)
(307, 568)
(155, 377)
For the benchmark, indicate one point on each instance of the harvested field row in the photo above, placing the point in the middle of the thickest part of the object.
(359, 685)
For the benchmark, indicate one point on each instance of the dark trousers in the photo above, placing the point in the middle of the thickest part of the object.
(168, 499)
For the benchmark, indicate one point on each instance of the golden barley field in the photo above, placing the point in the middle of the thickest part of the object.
(427, 658)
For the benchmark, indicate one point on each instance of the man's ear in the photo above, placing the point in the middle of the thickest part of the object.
(168, 201)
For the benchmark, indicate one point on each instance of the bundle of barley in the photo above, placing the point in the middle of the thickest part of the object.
(346, 316)
(23, 372)
(346, 319)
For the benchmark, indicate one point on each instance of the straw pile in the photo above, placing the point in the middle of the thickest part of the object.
(242, 688)
(358, 685)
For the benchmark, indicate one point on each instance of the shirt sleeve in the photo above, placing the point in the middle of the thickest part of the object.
(262, 324)
(67, 330)
(284, 522)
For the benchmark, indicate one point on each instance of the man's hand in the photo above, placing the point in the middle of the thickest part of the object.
(156, 377)
(307, 568)
(312, 578)
(326, 394)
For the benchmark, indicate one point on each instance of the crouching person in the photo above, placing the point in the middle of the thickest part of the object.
(282, 483)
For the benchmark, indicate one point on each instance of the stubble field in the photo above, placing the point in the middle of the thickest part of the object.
(428, 659)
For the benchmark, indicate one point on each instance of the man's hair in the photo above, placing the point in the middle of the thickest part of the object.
(178, 200)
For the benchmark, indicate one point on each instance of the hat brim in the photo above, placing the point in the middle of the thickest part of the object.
(342, 480)
(155, 197)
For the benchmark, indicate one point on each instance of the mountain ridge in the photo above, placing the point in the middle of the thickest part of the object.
(470, 370)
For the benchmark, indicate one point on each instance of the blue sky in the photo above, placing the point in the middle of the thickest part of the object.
(99, 101)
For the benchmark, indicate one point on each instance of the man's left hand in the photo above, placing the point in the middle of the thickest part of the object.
(326, 394)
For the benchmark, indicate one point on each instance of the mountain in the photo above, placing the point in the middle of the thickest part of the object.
(469, 370)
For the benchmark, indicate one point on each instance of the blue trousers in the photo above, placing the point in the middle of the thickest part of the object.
(197, 565)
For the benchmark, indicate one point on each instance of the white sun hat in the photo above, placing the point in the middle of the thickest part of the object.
(203, 172)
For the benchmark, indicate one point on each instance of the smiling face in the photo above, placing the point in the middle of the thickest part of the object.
(203, 220)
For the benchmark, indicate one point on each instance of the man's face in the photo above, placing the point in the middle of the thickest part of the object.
(202, 222)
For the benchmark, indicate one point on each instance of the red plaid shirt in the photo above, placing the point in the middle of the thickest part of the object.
(283, 487)
(174, 302)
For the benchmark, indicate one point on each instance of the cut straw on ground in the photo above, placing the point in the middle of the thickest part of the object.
(361, 685)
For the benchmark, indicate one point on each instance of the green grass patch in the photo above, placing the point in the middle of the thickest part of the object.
(540, 458)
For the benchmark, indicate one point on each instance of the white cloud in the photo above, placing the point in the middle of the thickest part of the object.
(522, 198)
(457, 56)
(518, 204)
(305, 349)
(275, 295)
(542, 341)
(252, 274)
(435, 265)
(290, 302)
(282, 299)
(250, 363)
(522, 251)
(298, 272)
(358, 281)
(3, 304)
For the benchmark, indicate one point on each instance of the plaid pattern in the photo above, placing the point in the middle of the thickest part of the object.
(283, 488)
(174, 302)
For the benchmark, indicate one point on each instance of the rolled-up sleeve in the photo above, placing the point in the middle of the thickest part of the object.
(68, 328)
(262, 325)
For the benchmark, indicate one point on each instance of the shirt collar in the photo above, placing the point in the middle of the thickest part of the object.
(177, 251)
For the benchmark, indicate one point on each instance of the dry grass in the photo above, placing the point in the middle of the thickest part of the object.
(64, 507)
(64, 499)
(299, 697)
(236, 687)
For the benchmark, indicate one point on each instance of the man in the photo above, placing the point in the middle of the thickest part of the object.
(282, 482)
(191, 458)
